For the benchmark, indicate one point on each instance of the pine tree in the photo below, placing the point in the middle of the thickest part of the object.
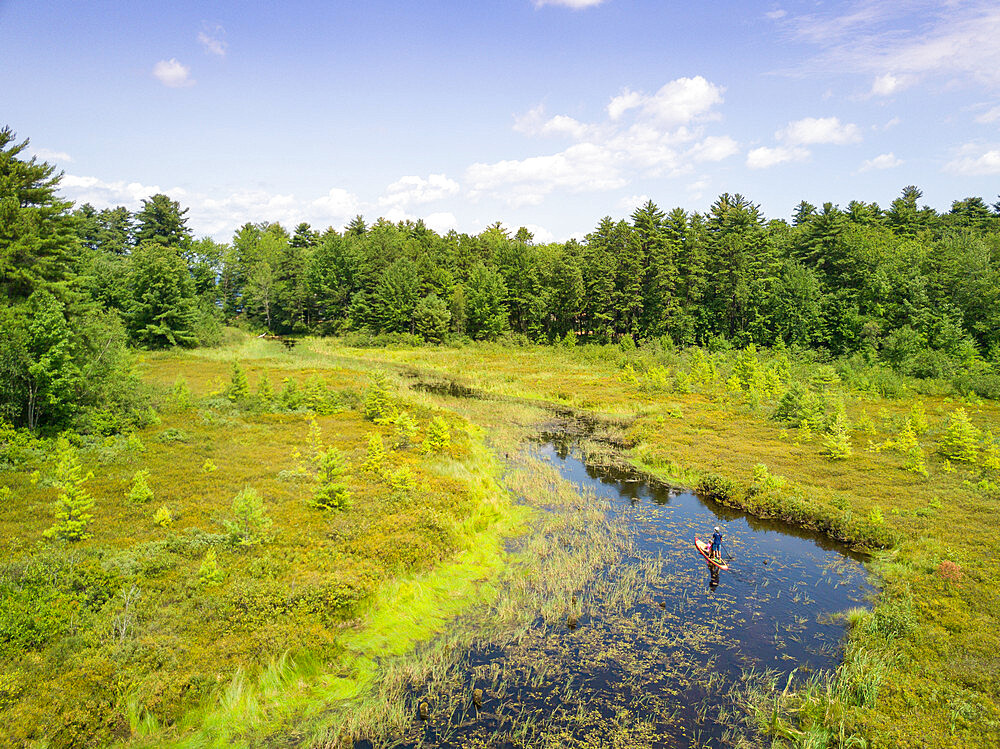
(38, 244)
(438, 436)
(836, 444)
(209, 572)
(250, 521)
(73, 504)
(375, 454)
(960, 441)
(378, 404)
(140, 493)
(239, 386)
(331, 493)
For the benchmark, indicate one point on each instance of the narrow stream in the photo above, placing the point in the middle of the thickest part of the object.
(661, 645)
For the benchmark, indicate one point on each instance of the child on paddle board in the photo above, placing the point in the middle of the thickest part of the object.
(716, 550)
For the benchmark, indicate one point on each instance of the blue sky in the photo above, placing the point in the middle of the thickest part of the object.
(548, 114)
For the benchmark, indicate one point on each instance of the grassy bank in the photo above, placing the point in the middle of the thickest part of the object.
(249, 558)
(921, 668)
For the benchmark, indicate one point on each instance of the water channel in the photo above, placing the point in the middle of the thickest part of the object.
(664, 668)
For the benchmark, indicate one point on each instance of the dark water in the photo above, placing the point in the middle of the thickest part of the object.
(662, 669)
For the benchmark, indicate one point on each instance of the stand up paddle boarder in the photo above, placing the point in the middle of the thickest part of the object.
(716, 551)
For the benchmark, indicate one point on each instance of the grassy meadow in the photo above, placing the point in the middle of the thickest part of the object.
(926, 655)
(200, 614)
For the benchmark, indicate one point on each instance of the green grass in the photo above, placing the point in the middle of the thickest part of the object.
(936, 622)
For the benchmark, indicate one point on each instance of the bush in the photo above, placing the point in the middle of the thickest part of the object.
(250, 521)
(716, 487)
(438, 436)
(140, 493)
(960, 441)
(74, 503)
(331, 493)
(378, 403)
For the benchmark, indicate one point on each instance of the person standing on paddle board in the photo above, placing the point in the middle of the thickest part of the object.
(716, 550)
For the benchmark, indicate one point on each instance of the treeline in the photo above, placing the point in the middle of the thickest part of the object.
(907, 286)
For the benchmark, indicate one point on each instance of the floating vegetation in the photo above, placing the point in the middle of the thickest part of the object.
(612, 632)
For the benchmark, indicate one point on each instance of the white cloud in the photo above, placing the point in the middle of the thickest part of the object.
(47, 154)
(951, 39)
(173, 74)
(574, 4)
(441, 222)
(540, 235)
(680, 101)
(412, 190)
(776, 14)
(337, 204)
(714, 148)
(102, 194)
(696, 190)
(627, 205)
(644, 135)
(212, 41)
(535, 123)
(975, 160)
(581, 167)
(989, 117)
(764, 157)
(885, 85)
(882, 161)
(819, 130)
(625, 101)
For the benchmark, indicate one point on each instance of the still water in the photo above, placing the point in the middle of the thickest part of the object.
(665, 669)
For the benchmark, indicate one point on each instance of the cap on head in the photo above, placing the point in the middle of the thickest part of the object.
(716, 529)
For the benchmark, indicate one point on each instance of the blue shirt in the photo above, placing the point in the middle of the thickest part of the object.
(716, 539)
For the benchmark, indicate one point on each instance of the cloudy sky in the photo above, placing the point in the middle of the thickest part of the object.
(548, 114)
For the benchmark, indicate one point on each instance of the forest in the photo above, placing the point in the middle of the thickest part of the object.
(293, 489)
(905, 286)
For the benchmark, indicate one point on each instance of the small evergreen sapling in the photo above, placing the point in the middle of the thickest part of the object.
(250, 521)
(209, 466)
(209, 572)
(836, 443)
(163, 517)
(438, 436)
(406, 429)
(378, 403)
(331, 493)
(265, 392)
(74, 503)
(239, 387)
(960, 441)
(375, 454)
(140, 493)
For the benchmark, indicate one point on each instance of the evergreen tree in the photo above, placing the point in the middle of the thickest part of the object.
(162, 220)
(486, 306)
(74, 504)
(38, 242)
(162, 311)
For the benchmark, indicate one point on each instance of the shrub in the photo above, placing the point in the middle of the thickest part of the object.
(438, 436)
(173, 434)
(330, 493)
(74, 503)
(375, 455)
(406, 429)
(378, 403)
(163, 517)
(209, 572)
(717, 487)
(960, 441)
(836, 443)
(180, 395)
(250, 521)
(209, 466)
(140, 493)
